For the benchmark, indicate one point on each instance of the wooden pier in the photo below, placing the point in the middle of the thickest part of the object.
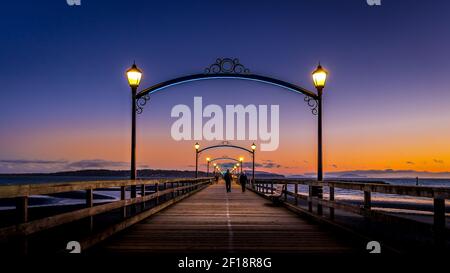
(188, 215)
(215, 221)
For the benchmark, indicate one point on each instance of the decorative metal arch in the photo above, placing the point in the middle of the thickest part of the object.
(225, 146)
(226, 68)
(224, 158)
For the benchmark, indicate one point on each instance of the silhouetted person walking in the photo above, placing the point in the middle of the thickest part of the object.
(243, 181)
(227, 178)
(216, 177)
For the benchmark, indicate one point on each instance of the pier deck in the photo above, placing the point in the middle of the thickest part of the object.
(213, 220)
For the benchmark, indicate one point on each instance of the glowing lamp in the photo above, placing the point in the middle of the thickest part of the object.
(319, 77)
(134, 75)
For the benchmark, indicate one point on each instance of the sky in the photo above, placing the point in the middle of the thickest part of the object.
(65, 103)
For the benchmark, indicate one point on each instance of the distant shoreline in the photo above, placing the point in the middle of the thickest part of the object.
(159, 173)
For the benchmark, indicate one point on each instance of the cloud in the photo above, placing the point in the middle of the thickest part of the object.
(25, 161)
(386, 173)
(334, 166)
(45, 166)
(410, 163)
(267, 164)
(30, 165)
(438, 161)
(96, 164)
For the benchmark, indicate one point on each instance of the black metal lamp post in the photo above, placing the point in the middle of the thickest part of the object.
(319, 77)
(134, 75)
(208, 159)
(241, 161)
(197, 146)
(253, 165)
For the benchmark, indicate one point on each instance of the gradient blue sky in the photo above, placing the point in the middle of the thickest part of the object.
(64, 97)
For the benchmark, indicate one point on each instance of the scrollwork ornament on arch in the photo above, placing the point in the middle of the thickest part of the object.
(313, 104)
(141, 102)
(227, 66)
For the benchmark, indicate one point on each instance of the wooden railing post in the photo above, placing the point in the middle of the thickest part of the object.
(271, 187)
(332, 200)
(142, 195)
(143, 190)
(165, 188)
(367, 200)
(123, 197)
(22, 217)
(22, 209)
(296, 194)
(285, 192)
(439, 221)
(310, 205)
(90, 204)
(157, 190)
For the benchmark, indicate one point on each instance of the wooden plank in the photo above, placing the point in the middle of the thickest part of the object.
(101, 236)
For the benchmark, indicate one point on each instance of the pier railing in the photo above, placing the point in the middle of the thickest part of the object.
(438, 194)
(162, 192)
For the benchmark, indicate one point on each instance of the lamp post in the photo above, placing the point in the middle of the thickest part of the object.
(241, 160)
(215, 167)
(253, 165)
(237, 166)
(134, 75)
(319, 77)
(197, 146)
(207, 166)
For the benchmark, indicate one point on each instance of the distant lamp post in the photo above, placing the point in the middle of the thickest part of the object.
(253, 165)
(319, 78)
(196, 146)
(241, 160)
(208, 159)
(134, 75)
(215, 168)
